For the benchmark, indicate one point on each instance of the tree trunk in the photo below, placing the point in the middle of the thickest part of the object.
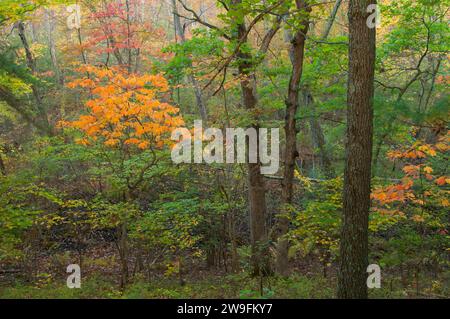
(357, 177)
(2, 165)
(291, 153)
(256, 184)
(21, 108)
(331, 19)
(31, 62)
(51, 44)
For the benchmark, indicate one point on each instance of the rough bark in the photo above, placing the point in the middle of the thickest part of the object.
(291, 153)
(357, 177)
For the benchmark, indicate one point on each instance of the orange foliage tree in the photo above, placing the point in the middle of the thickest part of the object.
(422, 189)
(126, 117)
(124, 110)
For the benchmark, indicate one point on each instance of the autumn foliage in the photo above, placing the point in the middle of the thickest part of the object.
(125, 109)
(421, 186)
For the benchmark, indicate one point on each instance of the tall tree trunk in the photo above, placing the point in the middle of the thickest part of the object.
(256, 184)
(357, 177)
(297, 56)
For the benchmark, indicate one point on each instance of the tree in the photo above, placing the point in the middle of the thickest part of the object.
(126, 115)
(292, 102)
(236, 31)
(357, 175)
(125, 110)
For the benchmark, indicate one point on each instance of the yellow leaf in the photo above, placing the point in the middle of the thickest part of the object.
(428, 170)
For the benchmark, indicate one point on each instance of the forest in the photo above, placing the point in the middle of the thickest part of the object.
(224, 149)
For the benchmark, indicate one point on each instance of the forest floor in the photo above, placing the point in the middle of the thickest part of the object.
(238, 286)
